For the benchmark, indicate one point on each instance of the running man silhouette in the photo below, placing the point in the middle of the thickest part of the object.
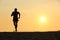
(16, 16)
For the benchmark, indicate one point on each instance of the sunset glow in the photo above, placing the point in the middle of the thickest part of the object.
(36, 15)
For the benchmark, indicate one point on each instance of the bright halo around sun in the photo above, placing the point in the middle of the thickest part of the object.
(43, 19)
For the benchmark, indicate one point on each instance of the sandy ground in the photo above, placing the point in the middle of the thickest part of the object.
(29, 35)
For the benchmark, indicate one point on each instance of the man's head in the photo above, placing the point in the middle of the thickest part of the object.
(15, 9)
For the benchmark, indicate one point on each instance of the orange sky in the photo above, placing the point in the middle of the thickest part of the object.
(31, 11)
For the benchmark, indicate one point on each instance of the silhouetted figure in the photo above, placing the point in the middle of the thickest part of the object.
(16, 16)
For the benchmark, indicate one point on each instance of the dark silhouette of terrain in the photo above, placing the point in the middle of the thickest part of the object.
(55, 35)
(15, 15)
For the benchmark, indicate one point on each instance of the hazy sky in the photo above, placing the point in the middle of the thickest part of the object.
(31, 11)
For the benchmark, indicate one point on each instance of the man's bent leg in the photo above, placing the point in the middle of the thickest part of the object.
(16, 26)
(14, 23)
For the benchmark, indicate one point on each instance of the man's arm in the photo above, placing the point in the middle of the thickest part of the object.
(12, 14)
(19, 15)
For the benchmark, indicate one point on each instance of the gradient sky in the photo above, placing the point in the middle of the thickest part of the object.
(31, 11)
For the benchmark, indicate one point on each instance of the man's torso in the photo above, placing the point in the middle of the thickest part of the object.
(15, 16)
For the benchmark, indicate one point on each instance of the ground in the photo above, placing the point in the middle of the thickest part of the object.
(30, 35)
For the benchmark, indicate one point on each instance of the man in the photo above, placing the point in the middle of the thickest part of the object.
(16, 16)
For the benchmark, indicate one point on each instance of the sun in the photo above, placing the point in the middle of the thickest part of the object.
(43, 19)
